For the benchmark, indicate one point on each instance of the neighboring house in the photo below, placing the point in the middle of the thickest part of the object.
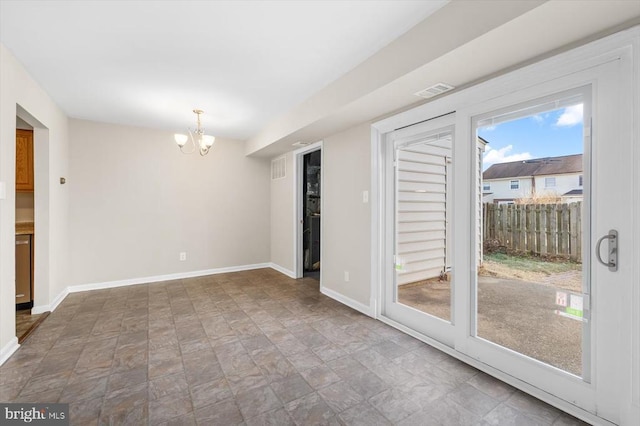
(559, 177)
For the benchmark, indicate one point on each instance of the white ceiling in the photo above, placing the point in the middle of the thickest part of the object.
(149, 64)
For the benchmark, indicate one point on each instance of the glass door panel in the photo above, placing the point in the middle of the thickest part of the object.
(532, 288)
(419, 166)
(422, 230)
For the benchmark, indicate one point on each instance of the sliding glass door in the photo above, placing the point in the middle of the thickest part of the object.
(505, 229)
(420, 201)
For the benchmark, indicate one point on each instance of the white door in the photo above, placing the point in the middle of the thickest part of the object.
(420, 163)
(557, 331)
(553, 325)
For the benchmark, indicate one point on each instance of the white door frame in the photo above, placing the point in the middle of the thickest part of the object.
(298, 214)
(618, 47)
(439, 328)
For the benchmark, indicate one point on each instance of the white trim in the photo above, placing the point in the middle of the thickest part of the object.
(282, 270)
(8, 350)
(353, 304)
(516, 383)
(153, 279)
(376, 225)
(168, 277)
(53, 305)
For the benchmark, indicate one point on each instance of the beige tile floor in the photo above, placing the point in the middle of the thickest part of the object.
(250, 348)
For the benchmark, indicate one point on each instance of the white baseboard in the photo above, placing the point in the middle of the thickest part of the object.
(51, 307)
(133, 281)
(168, 277)
(360, 307)
(282, 270)
(8, 350)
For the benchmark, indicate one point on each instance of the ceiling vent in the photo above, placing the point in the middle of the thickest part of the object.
(300, 144)
(435, 90)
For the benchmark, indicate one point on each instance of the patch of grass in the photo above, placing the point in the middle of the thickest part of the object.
(532, 264)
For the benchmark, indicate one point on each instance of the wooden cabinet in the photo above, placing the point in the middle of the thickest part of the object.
(24, 273)
(24, 160)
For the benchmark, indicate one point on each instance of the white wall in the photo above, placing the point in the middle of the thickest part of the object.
(346, 220)
(501, 188)
(136, 202)
(282, 218)
(21, 95)
(564, 184)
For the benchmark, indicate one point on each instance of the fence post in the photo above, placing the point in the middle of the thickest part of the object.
(573, 230)
(544, 228)
(566, 234)
(504, 215)
(553, 230)
(579, 232)
(531, 240)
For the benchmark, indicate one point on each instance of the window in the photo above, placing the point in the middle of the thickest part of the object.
(515, 184)
(580, 180)
(550, 182)
(486, 187)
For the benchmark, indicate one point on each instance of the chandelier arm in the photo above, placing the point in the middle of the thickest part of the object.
(193, 144)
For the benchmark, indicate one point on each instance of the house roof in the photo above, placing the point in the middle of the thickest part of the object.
(535, 167)
(573, 192)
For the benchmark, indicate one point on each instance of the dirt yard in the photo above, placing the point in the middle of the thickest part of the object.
(516, 309)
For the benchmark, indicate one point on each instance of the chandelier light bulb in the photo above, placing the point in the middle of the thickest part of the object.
(181, 139)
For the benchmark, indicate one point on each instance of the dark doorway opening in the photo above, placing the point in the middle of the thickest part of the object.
(311, 196)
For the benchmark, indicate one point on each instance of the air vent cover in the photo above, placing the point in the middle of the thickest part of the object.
(278, 168)
(435, 90)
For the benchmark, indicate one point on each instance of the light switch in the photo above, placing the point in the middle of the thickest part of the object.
(3, 191)
(365, 196)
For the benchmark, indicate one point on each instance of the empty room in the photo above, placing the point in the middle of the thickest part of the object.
(320, 212)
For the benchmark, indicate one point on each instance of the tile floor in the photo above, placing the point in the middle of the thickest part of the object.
(250, 348)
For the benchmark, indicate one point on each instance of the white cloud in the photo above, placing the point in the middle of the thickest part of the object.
(571, 116)
(503, 155)
(537, 118)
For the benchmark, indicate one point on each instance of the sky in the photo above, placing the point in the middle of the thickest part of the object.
(549, 134)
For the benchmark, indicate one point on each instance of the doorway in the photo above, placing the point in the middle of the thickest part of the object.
(31, 215)
(311, 196)
(445, 217)
(24, 222)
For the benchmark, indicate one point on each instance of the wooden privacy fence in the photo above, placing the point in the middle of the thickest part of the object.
(541, 229)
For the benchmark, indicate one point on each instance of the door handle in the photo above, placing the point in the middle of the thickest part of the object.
(612, 257)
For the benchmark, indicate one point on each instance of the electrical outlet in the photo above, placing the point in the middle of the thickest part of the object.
(346, 276)
(183, 255)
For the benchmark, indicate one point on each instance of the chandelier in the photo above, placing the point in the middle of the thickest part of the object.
(198, 139)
